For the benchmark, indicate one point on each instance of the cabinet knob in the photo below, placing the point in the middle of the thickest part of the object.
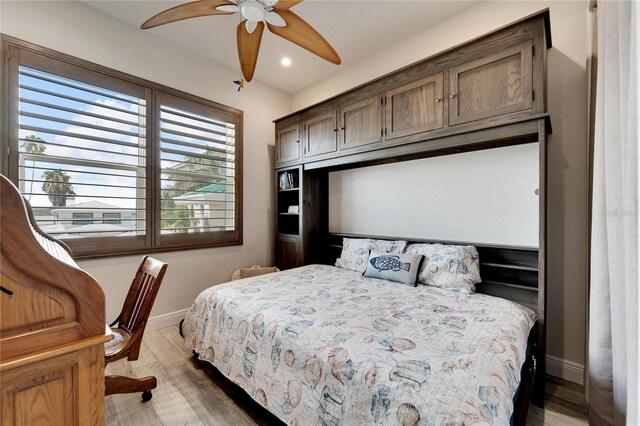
(335, 130)
(438, 99)
(341, 128)
(453, 95)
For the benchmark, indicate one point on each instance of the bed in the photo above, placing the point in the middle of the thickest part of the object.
(321, 345)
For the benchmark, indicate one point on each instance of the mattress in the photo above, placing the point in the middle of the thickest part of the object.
(320, 345)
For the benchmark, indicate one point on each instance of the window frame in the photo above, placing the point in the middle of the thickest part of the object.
(115, 219)
(17, 52)
(77, 218)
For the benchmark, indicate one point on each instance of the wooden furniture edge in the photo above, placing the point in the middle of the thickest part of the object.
(16, 362)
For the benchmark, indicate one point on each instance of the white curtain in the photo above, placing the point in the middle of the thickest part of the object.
(614, 327)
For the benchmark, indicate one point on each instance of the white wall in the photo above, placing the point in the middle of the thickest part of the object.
(79, 30)
(482, 197)
(567, 192)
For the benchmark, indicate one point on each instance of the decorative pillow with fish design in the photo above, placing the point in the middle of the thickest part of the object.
(355, 251)
(456, 268)
(401, 267)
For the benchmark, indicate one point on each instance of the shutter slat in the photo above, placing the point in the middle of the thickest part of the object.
(80, 100)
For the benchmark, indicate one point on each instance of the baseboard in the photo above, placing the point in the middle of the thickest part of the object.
(565, 369)
(165, 320)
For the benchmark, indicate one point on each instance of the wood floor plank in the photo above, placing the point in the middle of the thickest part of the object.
(212, 404)
(172, 334)
(194, 393)
(171, 405)
(124, 402)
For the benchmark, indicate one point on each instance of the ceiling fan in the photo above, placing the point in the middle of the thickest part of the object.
(255, 14)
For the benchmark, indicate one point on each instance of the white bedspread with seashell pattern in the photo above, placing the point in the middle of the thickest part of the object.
(320, 345)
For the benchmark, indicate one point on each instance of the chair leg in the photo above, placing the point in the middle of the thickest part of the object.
(122, 384)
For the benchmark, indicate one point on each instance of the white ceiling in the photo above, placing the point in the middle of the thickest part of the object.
(355, 28)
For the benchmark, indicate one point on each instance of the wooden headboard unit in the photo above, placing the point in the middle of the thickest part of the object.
(509, 272)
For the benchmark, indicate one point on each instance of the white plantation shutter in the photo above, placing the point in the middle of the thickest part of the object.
(81, 153)
(199, 177)
(113, 164)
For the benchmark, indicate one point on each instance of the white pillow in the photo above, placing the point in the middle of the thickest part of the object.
(355, 251)
(456, 268)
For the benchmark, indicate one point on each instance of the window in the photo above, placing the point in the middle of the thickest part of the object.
(114, 218)
(161, 167)
(82, 218)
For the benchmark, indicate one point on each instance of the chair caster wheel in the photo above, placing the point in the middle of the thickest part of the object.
(146, 396)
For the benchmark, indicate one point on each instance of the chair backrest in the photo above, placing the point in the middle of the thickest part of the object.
(139, 301)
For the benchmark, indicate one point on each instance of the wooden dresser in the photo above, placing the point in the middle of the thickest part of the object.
(52, 326)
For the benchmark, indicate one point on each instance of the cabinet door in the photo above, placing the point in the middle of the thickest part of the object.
(415, 107)
(288, 252)
(288, 145)
(320, 134)
(493, 85)
(361, 123)
(60, 390)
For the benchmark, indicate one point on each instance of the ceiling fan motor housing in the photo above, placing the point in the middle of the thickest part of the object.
(253, 10)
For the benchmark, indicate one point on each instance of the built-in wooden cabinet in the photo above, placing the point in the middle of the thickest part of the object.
(289, 200)
(288, 217)
(288, 143)
(320, 131)
(361, 123)
(288, 252)
(486, 93)
(416, 107)
(492, 81)
(301, 215)
(496, 84)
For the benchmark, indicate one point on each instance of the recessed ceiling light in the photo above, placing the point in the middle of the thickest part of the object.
(286, 62)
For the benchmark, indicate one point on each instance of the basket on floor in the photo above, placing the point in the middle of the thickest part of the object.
(254, 271)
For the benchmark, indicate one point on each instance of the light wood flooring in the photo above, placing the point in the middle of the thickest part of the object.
(192, 393)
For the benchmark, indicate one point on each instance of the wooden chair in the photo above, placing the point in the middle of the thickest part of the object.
(129, 327)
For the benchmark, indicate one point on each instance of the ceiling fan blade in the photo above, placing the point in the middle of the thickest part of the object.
(299, 32)
(286, 4)
(231, 8)
(248, 48)
(186, 11)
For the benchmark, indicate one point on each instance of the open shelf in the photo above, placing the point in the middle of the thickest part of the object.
(289, 194)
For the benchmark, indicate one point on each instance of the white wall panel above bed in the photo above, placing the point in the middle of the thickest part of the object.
(484, 196)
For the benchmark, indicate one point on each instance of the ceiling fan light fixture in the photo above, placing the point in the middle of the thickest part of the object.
(253, 10)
